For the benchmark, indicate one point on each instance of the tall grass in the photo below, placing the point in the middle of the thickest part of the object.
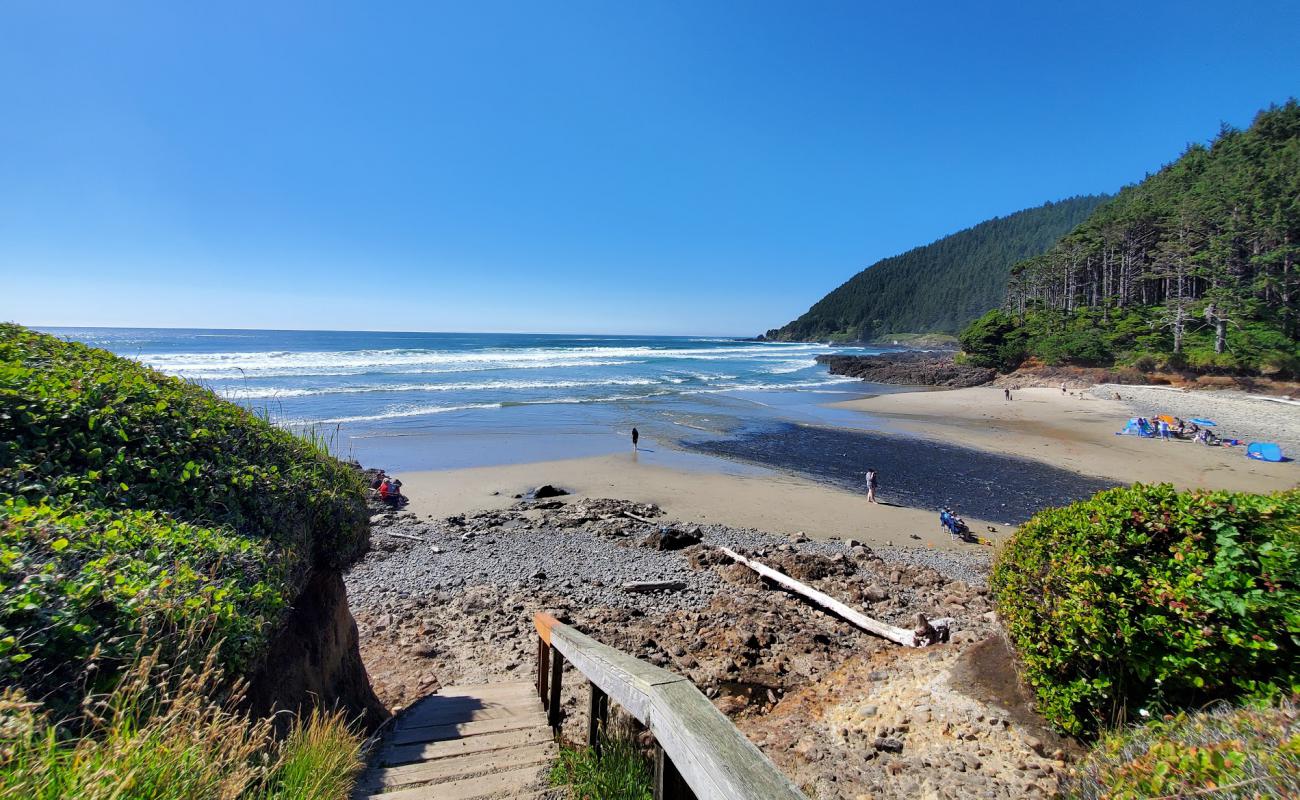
(619, 772)
(160, 735)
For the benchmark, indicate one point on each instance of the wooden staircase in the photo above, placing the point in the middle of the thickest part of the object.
(465, 742)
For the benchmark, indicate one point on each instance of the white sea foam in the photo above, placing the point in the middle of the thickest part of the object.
(230, 364)
(272, 392)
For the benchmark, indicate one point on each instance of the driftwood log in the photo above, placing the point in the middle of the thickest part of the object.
(927, 631)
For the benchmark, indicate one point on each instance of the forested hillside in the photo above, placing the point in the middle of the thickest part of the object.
(940, 287)
(1194, 267)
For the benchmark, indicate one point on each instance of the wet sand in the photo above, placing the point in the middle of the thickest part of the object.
(769, 502)
(915, 471)
(1076, 433)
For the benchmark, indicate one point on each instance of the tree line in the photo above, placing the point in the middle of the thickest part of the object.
(1194, 267)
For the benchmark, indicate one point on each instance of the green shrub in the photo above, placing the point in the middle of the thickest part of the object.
(81, 425)
(1219, 754)
(76, 583)
(995, 341)
(1146, 598)
(134, 503)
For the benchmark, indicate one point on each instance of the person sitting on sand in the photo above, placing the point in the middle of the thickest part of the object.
(384, 489)
(378, 479)
(872, 483)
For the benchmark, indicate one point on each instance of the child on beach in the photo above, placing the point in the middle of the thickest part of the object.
(871, 486)
(636, 437)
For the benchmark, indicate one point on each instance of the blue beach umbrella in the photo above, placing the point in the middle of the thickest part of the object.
(1207, 422)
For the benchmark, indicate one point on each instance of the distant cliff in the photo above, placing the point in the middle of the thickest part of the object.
(942, 286)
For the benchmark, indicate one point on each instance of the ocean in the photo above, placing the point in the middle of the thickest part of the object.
(443, 400)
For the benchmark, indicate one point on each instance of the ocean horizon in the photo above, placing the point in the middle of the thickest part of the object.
(411, 400)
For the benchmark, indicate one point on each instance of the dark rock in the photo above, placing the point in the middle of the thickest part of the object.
(546, 490)
(671, 539)
(888, 745)
(909, 369)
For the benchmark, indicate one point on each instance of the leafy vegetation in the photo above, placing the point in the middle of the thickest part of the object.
(939, 287)
(1146, 598)
(1219, 754)
(619, 772)
(1193, 268)
(158, 735)
(141, 514)
(133, 503)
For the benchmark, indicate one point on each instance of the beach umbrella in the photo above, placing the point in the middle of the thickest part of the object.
(1167, 418)
(1207, 422)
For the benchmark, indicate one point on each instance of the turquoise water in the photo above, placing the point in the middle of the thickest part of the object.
(429, 400)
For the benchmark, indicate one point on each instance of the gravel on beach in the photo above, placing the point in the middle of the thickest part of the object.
(575, 551)
(1238, 414)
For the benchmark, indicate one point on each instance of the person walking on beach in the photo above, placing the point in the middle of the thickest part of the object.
(1063, 388)
(872, 483)
(636, 437)
(1164, 431)
(1007, 392)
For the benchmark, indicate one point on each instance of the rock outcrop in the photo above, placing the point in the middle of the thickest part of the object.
(909, 369)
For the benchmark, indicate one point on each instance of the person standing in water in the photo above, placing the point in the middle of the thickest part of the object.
(636, 437)
(872, 483)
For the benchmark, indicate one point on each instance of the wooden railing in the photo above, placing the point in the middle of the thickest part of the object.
(698, 752)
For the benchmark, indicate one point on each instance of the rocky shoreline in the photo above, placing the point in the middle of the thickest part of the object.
(909, 369)
(446, 601)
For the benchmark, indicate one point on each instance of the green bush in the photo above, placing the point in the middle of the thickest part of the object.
(76, 583)
(1223, 753)
(132, 502)
(995, 341)
(1146, 598)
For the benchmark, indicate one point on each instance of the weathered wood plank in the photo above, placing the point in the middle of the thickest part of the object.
(463, 710)
(712, 756)
(494, 785)
(625, 678)
(438, 733)
(893, 633)
(450, 768)
(393, 756)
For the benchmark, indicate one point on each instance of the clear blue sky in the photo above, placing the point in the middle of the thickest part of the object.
(647, 167)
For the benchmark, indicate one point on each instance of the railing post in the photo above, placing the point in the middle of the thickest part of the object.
(597, 716)
(557, 674)
(668, 783)
(543, 669)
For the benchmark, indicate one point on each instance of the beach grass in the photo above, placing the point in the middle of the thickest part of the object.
(161, 734)
(618, 772)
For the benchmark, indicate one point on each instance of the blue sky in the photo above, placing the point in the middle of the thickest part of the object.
(649, 167)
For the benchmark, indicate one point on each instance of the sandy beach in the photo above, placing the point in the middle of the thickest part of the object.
(1073, 432)
(770, 502)
(1076, 431)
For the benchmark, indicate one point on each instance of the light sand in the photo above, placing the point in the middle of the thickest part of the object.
(775, 503)
(1073, 432)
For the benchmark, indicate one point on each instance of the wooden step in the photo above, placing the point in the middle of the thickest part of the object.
(393, 756)
(497, 784)
(438, 733)
(462, 766)
(452, 711)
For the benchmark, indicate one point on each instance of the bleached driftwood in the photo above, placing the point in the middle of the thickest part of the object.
(630, 515)
(927, 632)
(404, 536)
